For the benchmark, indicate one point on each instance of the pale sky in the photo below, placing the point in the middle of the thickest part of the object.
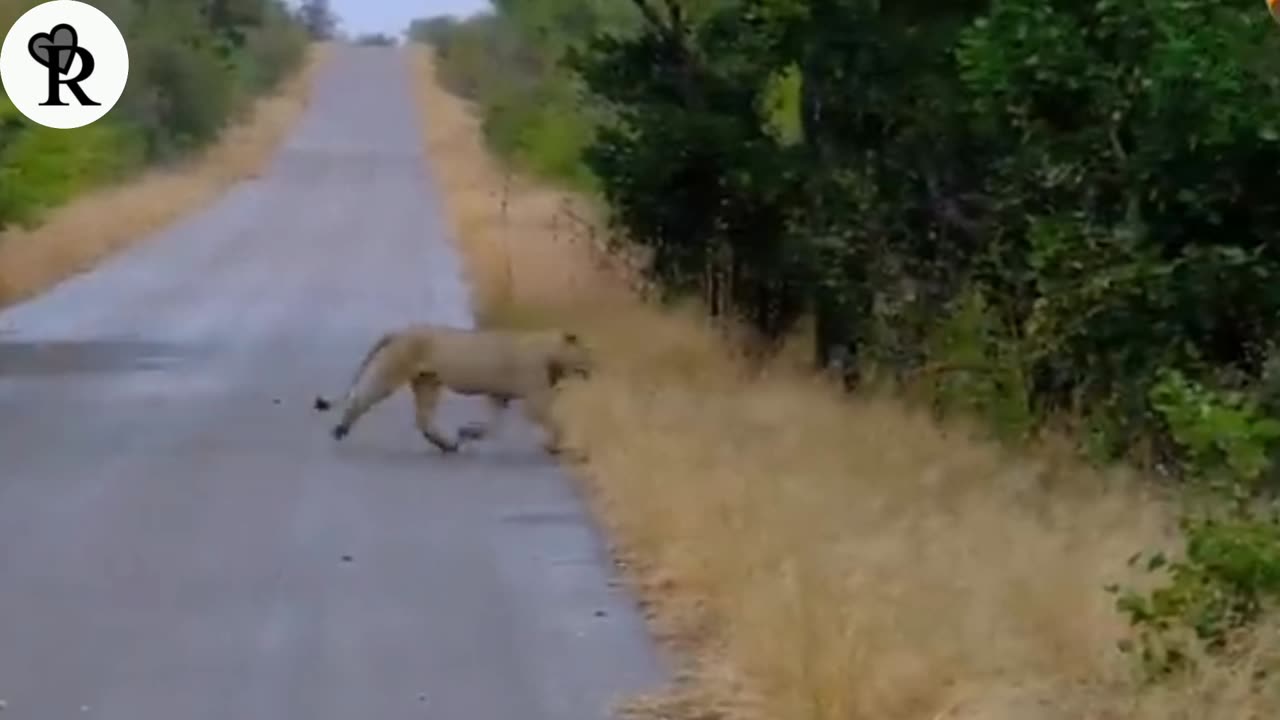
(393, 16)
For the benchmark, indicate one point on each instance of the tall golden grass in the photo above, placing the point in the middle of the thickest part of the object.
(76, 236)
(809, 556)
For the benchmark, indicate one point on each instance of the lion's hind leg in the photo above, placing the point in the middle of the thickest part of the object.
(426, 393)
(472, 432)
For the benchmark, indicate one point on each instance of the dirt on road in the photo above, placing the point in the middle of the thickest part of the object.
(180, 537)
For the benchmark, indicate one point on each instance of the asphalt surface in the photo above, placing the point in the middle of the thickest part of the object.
(181, 539)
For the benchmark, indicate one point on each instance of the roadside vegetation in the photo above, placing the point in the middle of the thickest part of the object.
(212, 89)
(938, 342)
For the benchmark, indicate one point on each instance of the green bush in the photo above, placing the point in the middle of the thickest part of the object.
(1230, 574)
(272, 50)
(1223, 434)
(376, 40)
(187, 96)
(1094, 171)
(980, 368)
(1228, 579)
(42, 167)
(539, 131)
(193, 65)
(508, 62)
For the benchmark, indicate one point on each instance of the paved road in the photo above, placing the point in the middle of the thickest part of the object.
(174, 516)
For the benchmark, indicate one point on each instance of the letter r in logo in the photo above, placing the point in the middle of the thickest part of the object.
(55, 50)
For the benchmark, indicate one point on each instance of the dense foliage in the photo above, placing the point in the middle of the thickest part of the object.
(318, 18)
(376, 40)
(509, 64)
(1042, 209)
(193, 65)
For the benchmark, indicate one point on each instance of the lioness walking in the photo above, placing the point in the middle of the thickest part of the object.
(502, 365)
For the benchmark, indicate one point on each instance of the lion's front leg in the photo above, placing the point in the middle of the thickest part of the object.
(537, 408)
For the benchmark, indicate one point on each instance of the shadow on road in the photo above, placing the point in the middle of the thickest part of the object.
(68, 357)
(494, 456)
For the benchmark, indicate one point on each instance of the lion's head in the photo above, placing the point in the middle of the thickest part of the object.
(569, 356)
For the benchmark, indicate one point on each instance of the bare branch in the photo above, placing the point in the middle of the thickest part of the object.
(650, 13)
(675, 12)
(673, 32)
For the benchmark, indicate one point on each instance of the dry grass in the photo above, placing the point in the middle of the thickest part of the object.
(75, 237)
(813, 557)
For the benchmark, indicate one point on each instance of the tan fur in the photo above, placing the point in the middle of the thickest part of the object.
(499, 364)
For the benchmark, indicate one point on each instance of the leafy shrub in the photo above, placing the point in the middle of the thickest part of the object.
(979, 368)
(376, 40)
(1228, 579)
(1230, 575)
(1223, 433)
(192, 66)
(186, 97)
(42, 167)
(509, 62)
(272, 50)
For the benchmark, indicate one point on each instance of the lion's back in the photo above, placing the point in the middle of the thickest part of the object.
(486, 361)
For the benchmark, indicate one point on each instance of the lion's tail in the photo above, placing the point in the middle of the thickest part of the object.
(322, 404)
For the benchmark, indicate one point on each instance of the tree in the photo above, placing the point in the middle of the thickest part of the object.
(376, 39)
(433, 31)
(319, 19)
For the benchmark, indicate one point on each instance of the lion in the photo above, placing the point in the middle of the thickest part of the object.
(502, 365)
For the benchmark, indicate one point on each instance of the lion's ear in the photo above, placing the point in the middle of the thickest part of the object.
(571, 338)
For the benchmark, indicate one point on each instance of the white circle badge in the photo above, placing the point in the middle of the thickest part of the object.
(64, 64)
